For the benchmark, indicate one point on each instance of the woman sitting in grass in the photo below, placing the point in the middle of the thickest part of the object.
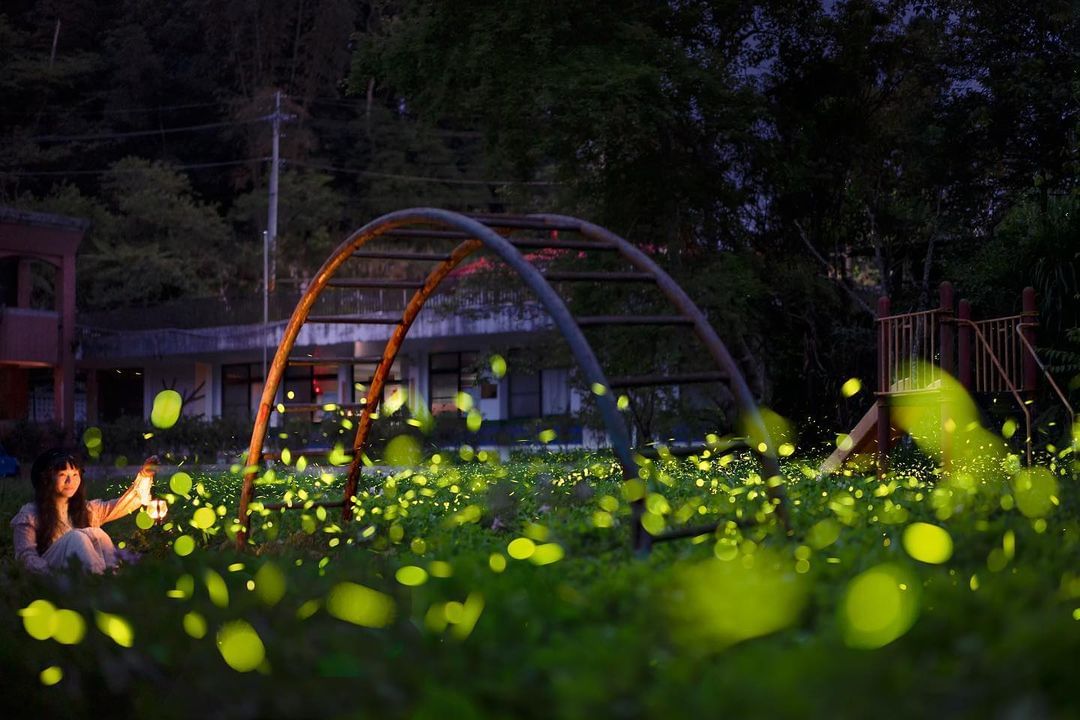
(61, 524)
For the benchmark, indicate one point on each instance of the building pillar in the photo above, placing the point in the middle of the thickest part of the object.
(885, 364)
(64, 373)
(24, 284)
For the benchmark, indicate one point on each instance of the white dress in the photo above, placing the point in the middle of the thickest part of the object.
(90, 546)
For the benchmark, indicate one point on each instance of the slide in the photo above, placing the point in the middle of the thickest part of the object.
(863, 440)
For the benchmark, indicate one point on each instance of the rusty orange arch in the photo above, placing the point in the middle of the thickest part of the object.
(477, 232)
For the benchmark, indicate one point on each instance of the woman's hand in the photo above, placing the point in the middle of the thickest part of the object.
(145, 479)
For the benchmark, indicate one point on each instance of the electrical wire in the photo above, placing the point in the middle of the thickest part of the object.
(144, 133)
(418, 178)
(62, 173)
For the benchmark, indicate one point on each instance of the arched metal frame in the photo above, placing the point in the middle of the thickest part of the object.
(482, 235)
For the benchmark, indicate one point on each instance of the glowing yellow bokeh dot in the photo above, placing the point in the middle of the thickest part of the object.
(1008, 428)
(180, 483)
(204, 518)
(403, 450)
(497, 562)
(240, 646)
(143, 521)
(851, 387)
(117, 628)
(39, 619)
(927, 543)
(195, 625)
(184, 545)
(91, 438)
(474, 420)
(270, 584)
(879, 606)
(360, 605)
(68, 627)
(547, 554)
(166, 410)
(521, 548)
(440, 569)
(411, 575)
(498, 366)
(1035, 489)
(51, 675)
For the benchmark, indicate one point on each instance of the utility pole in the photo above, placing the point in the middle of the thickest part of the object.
(266, 298)
(271, 221)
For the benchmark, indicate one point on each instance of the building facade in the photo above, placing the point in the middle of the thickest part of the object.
(37, 318)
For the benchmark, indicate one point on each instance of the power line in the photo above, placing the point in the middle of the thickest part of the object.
(60, 173)
(418, 178)
(67, 113)
(143, 133)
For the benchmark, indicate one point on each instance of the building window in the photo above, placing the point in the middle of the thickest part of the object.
(362, 375)
(311, 385)
(449, 374)
(120, 393)
(526, 391)
(241, 390)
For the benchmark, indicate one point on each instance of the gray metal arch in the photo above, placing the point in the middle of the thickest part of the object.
(705, 332)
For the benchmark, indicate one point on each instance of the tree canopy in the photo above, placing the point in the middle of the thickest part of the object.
(788, 160)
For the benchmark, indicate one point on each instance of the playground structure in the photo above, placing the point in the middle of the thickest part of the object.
(506, 236)
(995, 356)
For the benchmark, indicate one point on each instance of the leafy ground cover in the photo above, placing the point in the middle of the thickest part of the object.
(473, 588)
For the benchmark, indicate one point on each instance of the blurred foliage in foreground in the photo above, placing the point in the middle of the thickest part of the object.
(470, 588)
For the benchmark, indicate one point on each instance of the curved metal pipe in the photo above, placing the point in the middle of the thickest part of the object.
(530, 275)
(706, 333)
(378, 380)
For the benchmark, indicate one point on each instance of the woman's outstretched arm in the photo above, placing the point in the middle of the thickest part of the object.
(104, 511)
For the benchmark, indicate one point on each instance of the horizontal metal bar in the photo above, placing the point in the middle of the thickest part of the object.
(521, 222)
(432, 234)
(352, 320)
(629, 381)
(400, 255)
(306, 452)
(676, 451)
(303, 505)
(538, 243)
(376, 284)
(593, 320)
(903, 316)
(334, 360)
(599, 277)
(695, 530)
(685, 532)
(312, 407)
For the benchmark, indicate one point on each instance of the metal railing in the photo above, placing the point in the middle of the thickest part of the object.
(248, 309)
(1020, 327)
(909, 340)
(1003, 377)
(998, 357)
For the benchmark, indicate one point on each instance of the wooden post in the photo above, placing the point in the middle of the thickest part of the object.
(1031, 367)
(884, 423)
(946, 330)
(963, 340)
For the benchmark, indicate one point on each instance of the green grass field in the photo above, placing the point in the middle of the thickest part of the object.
(478, 589)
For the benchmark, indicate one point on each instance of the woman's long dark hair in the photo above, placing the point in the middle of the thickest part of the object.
(43, 476)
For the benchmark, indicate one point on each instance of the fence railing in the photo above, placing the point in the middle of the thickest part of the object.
(248, 309)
